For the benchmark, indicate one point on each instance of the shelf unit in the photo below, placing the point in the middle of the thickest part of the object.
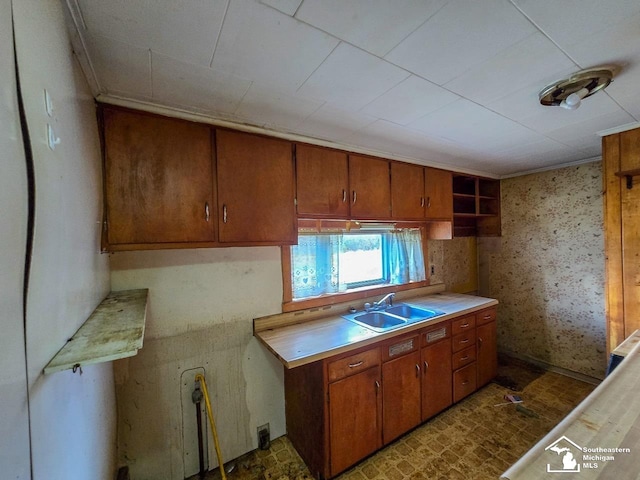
(476, 206)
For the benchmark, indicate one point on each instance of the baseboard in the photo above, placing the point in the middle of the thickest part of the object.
(552, 368)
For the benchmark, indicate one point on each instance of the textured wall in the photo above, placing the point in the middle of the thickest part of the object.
(454, 263)
(547, 269)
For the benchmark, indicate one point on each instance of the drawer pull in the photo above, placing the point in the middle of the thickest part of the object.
(487, 317)
(377, 387)
(207, 215)
(344, 195)
(224, 214)
(465, 357)
(417, 370)
(466, 340)
(355, 197)
(356, 364)
(426, 365)
(479, 341)
(464, 325)
(466, 382)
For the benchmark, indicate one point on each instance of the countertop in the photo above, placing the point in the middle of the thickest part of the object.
(309, 341)
(606, 423)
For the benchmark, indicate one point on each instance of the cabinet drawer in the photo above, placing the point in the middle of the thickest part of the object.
(463, 324)
(464, 382)
(463, 340)
(353, 364)
(463, 357)
(435, 333)
(486, 316)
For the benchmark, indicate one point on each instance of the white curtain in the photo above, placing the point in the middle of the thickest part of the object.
(406, 259)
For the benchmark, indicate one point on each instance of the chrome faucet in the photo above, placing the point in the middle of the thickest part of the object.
(384, 302)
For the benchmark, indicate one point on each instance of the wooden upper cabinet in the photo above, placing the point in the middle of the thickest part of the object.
(255, 189)
(322, 179)
(370, 188)
(438, 193)
(158, 179)
(407, 191)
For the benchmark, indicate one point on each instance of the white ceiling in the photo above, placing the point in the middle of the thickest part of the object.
(439, 82)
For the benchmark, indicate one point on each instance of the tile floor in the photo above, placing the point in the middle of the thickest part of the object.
(474, 439)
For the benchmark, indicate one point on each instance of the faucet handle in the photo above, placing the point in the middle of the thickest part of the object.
(367, 307)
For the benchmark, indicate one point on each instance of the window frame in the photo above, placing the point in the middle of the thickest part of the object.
(291, 305)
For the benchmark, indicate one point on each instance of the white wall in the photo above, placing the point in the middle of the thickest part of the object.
(14, 420)
(72, 416)
(201, 309)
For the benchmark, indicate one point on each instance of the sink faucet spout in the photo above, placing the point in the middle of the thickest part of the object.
(386, 301)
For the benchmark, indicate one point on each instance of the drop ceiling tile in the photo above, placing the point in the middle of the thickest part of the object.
(121, 68)
(268, 47)
(409, 100)
(331, 123)
(271, 108)
(181, 84)
(583, 134)
(470, 124)
(531, 60)
(375, 26)
(288, 7)
(565, 21)
(185, 30)
(462, 34)
(351, 78)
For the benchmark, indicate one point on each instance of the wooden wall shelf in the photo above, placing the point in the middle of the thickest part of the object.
(476, 206)
(629, 174)
(114, 330)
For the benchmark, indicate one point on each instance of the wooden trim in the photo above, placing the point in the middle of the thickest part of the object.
(614, 287)
(287, 293)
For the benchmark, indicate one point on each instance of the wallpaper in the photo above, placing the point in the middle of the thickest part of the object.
(547, 269)
(454, 263)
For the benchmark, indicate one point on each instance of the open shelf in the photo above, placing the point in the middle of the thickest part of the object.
(476, 206)
(114, 330)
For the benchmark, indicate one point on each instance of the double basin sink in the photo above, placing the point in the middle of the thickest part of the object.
(392, 317)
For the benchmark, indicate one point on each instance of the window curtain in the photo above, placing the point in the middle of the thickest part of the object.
(406, 259)
(314, 265)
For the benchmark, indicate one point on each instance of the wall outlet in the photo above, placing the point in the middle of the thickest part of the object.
(264, 437)
(433, 270)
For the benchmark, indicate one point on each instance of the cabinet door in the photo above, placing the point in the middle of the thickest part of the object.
(370, 188)
(438, 193)
(401, 395)
(322, 179)
(255, 189)
(354, 418)
(158, 179)
(407, 191)
(436, 378)
(487, 352)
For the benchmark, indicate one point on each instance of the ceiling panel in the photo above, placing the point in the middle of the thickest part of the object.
(531, 60)
(285, 6)
(187, 29)
(332, 123)
(122, 69)
(274, 109)
(373, 25)
(211, 91)
(461, 35)
(409, 100)
(264, 45)
(351, 78)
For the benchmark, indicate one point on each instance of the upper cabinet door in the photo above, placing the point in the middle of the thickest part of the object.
(158, 179)
(322, 177)
(438, 193)
(407, 191)
(370, 188)
(255, 189)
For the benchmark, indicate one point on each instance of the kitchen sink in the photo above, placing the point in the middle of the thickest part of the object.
(413, 313)
(392, 317)
(377, 321)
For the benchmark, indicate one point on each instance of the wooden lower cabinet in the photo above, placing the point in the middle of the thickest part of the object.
(342, 409)
(354, 418)
(401, 391)
(487, 352)
(436, 378)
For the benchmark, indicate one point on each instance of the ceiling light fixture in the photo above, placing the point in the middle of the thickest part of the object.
(570, 92)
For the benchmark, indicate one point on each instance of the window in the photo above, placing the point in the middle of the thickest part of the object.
(324, 264)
